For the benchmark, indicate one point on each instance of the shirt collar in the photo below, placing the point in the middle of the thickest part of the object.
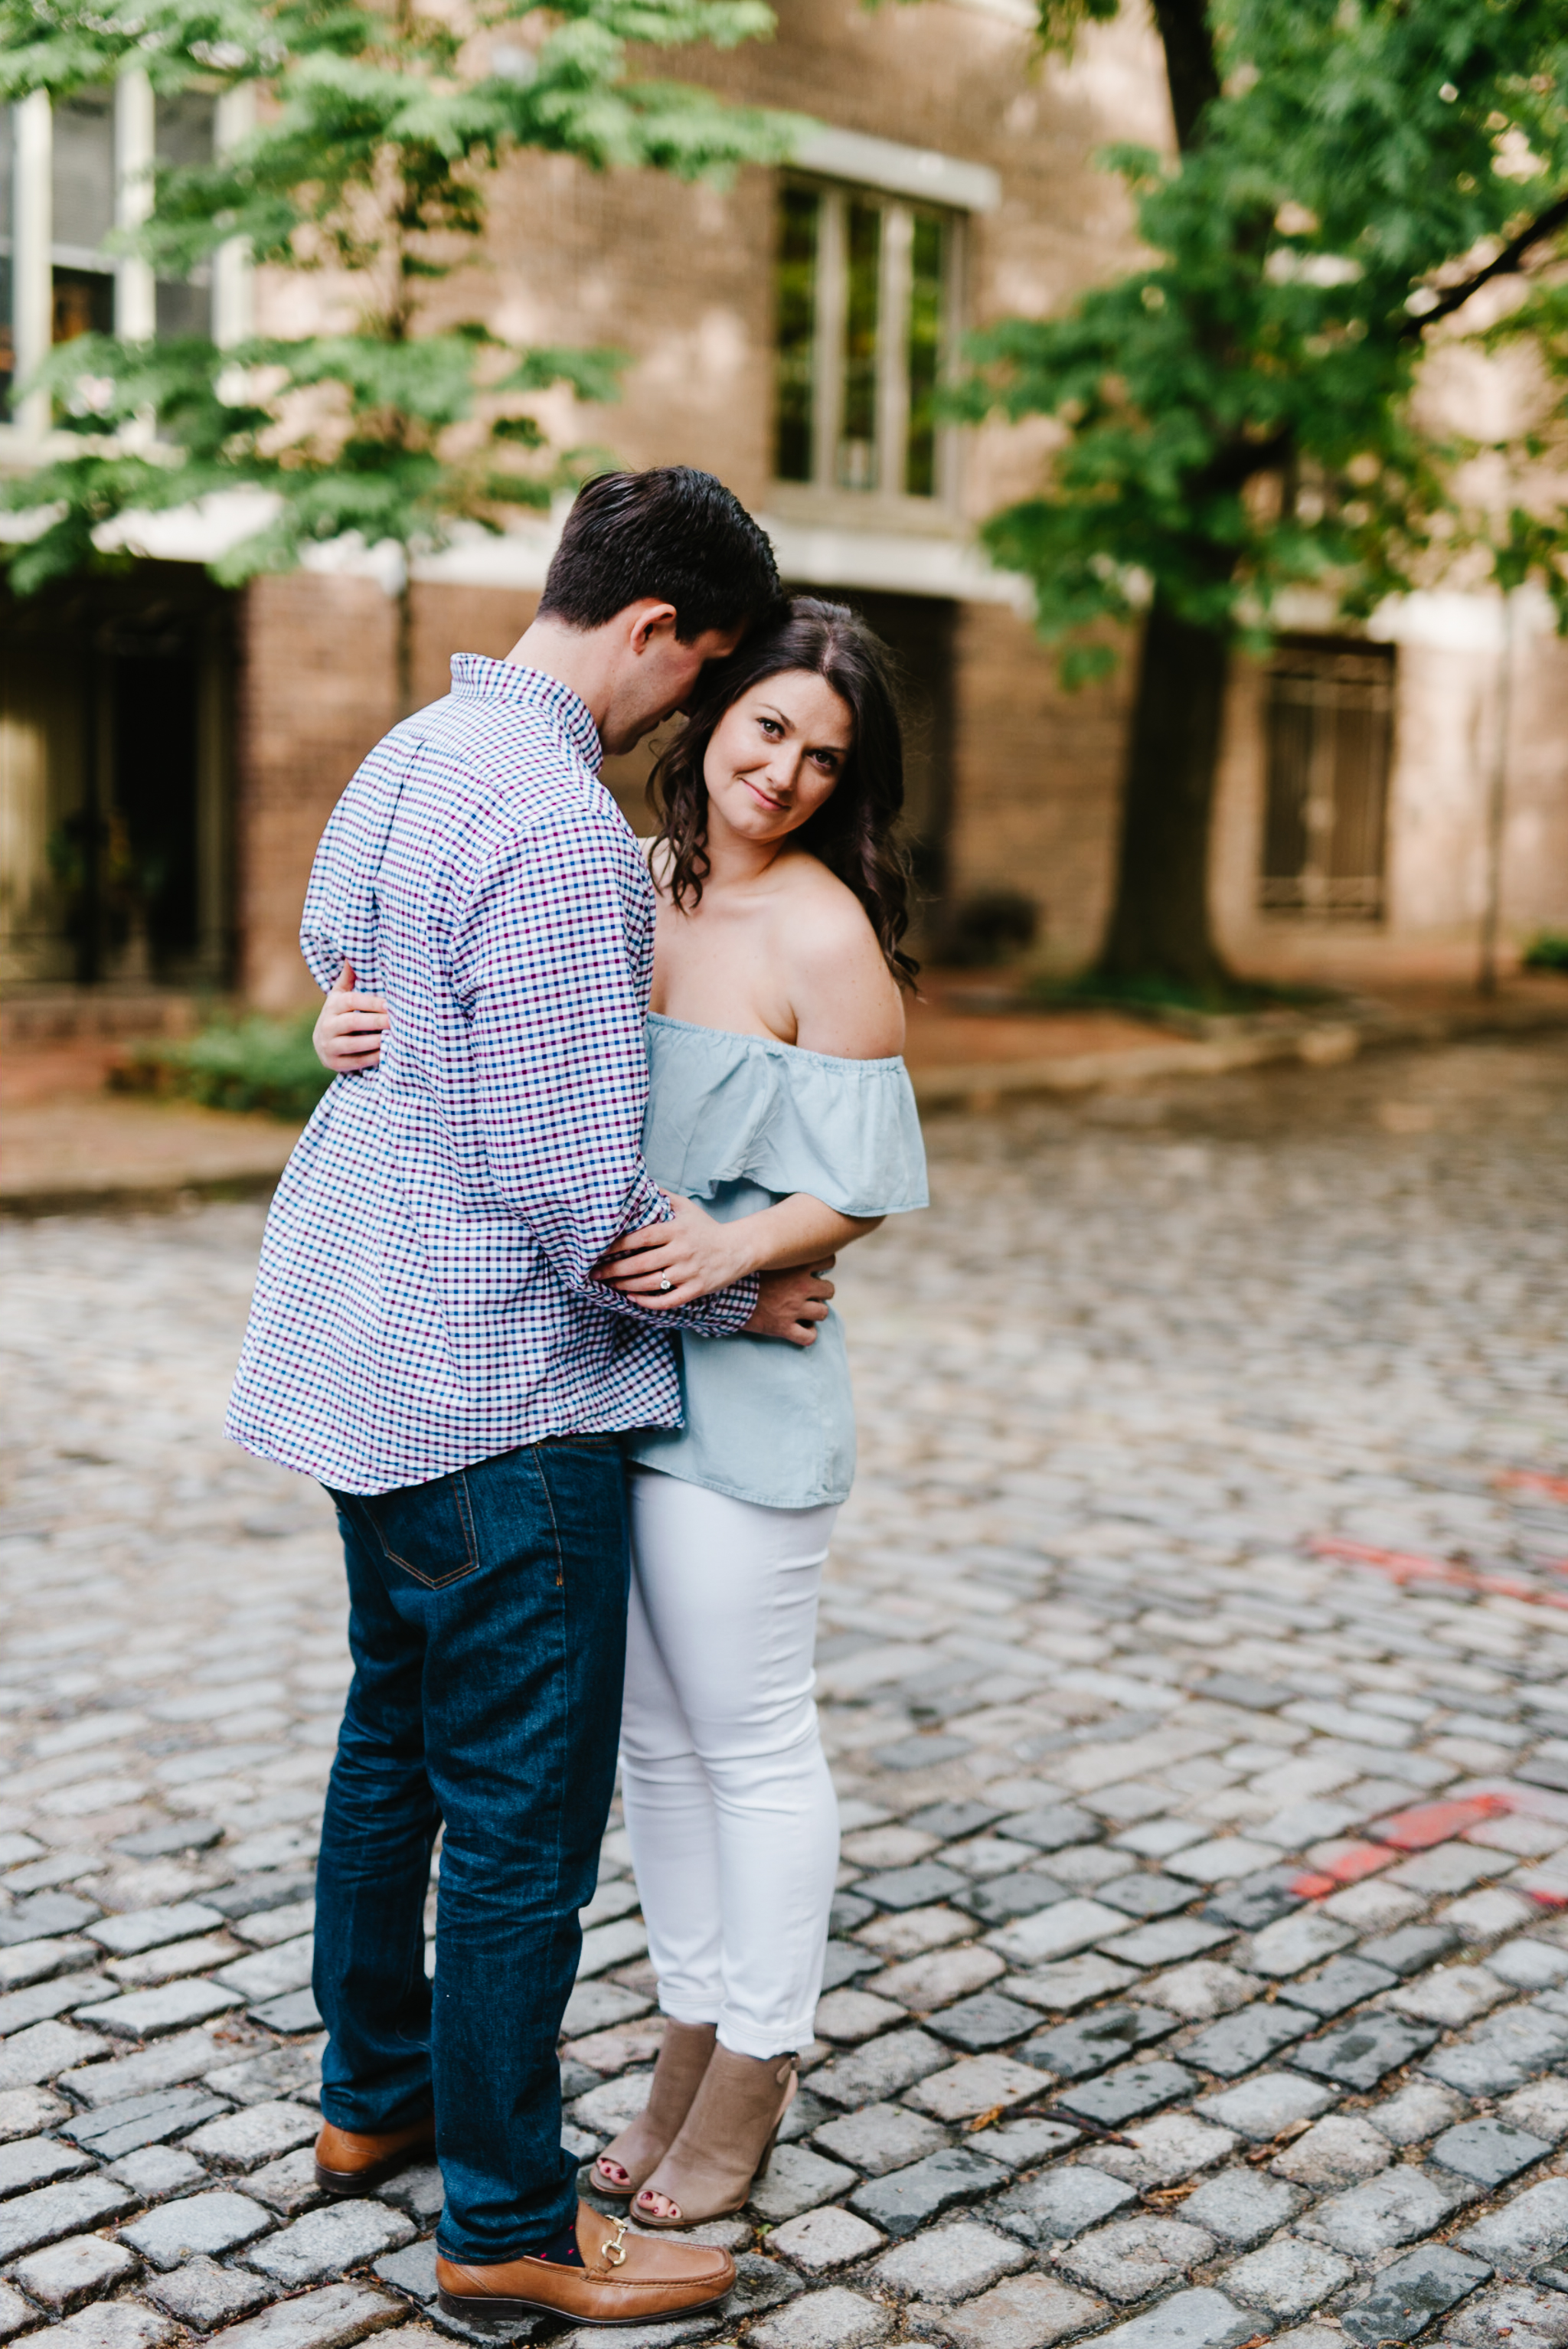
(500, 680)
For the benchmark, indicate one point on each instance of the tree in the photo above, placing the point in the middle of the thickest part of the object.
(375, 140)
(1250, 410)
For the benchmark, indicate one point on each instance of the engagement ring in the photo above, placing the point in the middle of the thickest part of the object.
(666, 1281)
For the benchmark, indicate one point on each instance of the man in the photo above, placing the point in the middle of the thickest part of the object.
(426, 1339)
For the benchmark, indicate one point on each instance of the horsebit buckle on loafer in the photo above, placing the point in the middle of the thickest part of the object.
(616, 2249)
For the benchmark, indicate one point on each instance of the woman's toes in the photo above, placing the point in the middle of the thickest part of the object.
(613, 2172)
(657, 2206)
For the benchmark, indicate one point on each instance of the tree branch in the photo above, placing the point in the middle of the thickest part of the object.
(1454, 297)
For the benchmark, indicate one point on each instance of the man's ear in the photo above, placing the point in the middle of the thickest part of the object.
(653, 620)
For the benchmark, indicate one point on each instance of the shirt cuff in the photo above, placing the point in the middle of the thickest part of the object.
(726, 1311)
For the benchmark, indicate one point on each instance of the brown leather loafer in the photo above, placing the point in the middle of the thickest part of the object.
(348, 2163)
(624, 2279)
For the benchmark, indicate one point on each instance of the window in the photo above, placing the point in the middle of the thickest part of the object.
(185, 130)
(1330, 726)
(863, 297)
(84, 188)
(68, 179)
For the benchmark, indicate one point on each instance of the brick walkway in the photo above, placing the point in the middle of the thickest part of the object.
(1195, 1670)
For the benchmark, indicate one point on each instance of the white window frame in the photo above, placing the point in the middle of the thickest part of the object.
(901, 182)
(135, 296)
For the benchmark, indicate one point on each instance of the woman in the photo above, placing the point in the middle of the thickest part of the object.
(781, 1120)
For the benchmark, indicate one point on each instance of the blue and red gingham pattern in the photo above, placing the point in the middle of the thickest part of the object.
(423, 1300)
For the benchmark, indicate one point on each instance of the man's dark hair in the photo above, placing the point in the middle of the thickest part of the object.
(673, 534)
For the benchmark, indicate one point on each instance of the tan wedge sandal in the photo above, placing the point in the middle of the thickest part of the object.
(725, 2141)
(677, 2076)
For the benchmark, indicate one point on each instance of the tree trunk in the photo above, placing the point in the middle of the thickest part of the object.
(1160, 928)
(404, 659)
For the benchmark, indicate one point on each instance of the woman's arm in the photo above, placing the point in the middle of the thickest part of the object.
(347, 1035)
(694, 1252)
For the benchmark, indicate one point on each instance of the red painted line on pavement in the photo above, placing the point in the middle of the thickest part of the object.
(1403, 1566)
(1425, 1824)
(1532, 1480)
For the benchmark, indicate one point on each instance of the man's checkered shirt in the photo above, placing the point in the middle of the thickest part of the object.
(423, 1300)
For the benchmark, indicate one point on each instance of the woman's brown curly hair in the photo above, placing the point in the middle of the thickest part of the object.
(855, 831)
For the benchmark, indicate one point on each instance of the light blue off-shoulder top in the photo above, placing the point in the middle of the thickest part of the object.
(740, 1123)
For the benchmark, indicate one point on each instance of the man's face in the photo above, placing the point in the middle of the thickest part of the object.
(657, 676)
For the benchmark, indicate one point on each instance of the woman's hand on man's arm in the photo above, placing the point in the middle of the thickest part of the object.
(670, 1264)
(347, 1034)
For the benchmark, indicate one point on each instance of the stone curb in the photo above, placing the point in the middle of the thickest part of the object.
(1318, 1043)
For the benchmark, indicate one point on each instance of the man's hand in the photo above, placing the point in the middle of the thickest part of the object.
(790, 1304)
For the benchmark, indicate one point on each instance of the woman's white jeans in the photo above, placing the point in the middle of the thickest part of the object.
(729, 1806)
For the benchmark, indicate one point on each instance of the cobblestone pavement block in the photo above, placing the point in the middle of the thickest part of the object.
(52, 2212)
(112, 2130)
(1241, 2206)
(1489, 2150)
(1163, 2152)
(188, 2055)
(342, 2235)
(796, 2179)
(1531, 2227)
(206, 2296)
(1134, 2257)
(1267, 2104)
(157, 2170)
(758, 2284)
(1075, 2051)
(1202, 1990)
(412, 2270)
(1398, 2205)
(16, 2314)
(1060, 2204)
(819, 2240)
(881, 2070)
(24, 2111)
(904, 2199)
(1027, 2311)
(68, 2274)
(1129, 2093)
(38, 2161)
(1335, 2151)
(980, 2083)
(1201, 2319)
(951, 2262)
(1409, 2294)
(834, 2318)
(1288, 2276)
(329, 2319)
(113, 2324)
(286, 2186)
(879, 2137)
(1508, 2313)
(257, 2133)
(210, 2223)
(1345, 1982)
(1415, 2111)
(45, 2051)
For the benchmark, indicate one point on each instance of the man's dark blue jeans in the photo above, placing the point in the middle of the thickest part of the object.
(488, 1625)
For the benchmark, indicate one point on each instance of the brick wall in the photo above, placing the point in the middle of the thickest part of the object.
(316, 692)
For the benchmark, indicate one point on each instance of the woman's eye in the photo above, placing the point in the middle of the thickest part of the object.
(770, 726)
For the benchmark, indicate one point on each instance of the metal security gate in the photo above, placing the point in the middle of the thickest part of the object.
(1330, 730)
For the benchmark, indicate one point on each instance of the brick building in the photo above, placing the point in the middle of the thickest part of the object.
(169, 753)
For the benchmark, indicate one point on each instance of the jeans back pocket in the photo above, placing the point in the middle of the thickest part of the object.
(427, 1530)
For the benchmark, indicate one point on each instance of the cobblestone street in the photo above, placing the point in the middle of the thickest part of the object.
(1194, 1669)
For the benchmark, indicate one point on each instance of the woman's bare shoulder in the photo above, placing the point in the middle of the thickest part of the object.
(847, 1002)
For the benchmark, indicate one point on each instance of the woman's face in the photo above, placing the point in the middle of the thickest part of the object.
(776, 754)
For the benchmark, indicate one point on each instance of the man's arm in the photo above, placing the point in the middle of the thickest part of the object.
(558, 1075)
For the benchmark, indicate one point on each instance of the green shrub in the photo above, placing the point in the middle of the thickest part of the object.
(1547, 950)
(256, 1063)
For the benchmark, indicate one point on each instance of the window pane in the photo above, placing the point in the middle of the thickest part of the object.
(84, 169)
(185, 131)
(797, 299)
(926, 244)
(857, 445)
(84, 304)
(7, 340)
